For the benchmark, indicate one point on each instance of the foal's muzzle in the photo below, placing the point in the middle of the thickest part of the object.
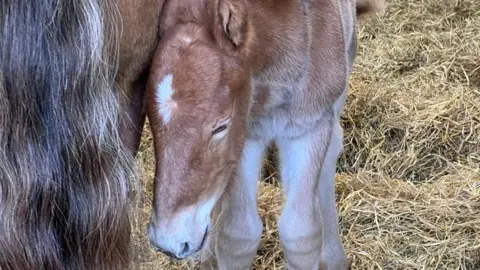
(177, 251)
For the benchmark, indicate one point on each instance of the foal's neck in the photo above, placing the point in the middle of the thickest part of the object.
(281, 39)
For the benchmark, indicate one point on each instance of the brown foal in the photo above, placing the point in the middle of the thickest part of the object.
(229, 78)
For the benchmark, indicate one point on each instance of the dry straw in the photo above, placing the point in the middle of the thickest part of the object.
(408, 187)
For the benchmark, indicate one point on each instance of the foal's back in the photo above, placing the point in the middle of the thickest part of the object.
(301, 59)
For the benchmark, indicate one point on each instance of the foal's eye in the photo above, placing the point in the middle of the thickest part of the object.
(219, 129)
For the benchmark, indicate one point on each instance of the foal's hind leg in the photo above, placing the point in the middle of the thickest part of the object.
(237, 227)
(308, 226)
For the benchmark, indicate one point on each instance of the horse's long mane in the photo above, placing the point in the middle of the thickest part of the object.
(64, 173)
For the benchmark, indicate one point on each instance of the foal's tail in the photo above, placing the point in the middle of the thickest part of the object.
(64, 173)
(369, 6)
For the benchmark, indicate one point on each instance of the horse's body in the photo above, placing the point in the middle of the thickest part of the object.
(137, 45)
(65, 174)
(230, 77)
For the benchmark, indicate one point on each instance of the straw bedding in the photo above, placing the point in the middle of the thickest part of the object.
(408, 183)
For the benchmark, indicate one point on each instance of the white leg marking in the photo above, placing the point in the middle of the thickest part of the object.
(333, 254)
(238, 228)
(307, 172)
(164, 98)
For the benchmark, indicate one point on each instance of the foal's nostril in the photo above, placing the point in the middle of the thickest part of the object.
(173, 249)
(186, 249)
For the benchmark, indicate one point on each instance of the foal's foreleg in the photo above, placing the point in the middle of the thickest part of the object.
(308, 226)
(237, 227)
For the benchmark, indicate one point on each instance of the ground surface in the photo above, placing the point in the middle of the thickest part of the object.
(408, 184)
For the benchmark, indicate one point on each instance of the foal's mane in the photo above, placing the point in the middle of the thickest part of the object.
(64, 173)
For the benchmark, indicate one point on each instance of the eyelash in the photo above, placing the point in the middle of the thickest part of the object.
(219, 129)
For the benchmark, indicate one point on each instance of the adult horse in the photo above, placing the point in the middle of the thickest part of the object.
(71, 84)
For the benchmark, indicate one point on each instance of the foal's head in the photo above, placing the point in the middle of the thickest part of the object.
(198, 100)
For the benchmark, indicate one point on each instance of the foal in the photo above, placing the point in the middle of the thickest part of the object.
(230, 77)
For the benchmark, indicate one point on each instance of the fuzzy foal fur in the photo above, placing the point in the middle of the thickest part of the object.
(272, 71)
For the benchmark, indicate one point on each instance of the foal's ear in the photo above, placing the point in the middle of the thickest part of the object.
(233, 19)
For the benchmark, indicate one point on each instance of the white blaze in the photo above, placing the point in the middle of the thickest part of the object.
(164, 98)
(187, 39)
